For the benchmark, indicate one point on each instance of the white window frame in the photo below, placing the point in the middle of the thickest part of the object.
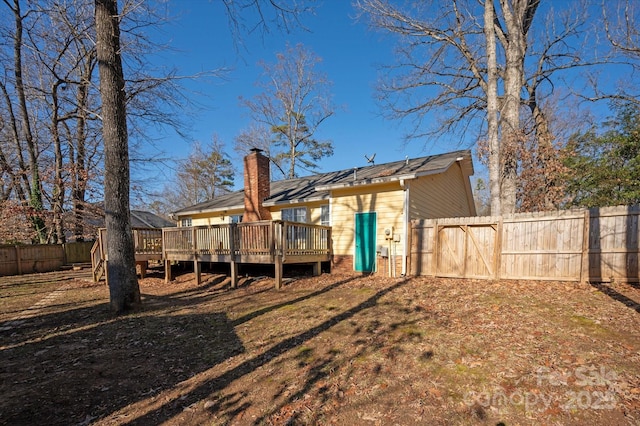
(325, 210)
(293, 214)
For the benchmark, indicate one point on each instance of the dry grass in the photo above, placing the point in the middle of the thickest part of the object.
(324, 350)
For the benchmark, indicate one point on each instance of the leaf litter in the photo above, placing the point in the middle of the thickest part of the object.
(333, 349)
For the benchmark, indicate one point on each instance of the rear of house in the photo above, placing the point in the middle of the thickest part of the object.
(369, 208)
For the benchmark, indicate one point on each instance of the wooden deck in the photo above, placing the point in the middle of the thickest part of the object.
(147, 243)
(265, 242)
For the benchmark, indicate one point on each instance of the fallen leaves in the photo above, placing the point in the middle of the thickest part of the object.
(326, 350)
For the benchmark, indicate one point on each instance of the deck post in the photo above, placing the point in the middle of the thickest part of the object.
(234, 274)
(317, 267)
(143, 264)
(278, 267)
(196, 264)
(197, 269)
(278, 247)
(167, 271)
(233, 232)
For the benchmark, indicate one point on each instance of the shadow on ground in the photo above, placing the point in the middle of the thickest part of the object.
(79, 365)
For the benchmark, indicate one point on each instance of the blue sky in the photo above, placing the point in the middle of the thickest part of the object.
(201, 41)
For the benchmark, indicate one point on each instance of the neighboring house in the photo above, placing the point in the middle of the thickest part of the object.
(145, 219)
(369, 208)
(94, 218)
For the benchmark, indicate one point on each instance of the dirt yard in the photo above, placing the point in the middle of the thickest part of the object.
(324, 350)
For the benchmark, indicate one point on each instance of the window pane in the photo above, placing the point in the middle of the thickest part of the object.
(325, 218)
(297, 214)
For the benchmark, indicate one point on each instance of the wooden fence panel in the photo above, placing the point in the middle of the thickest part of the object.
(78, 252)
(9, 260)
(480, 259)
(614, 244)
(28, 259)
(542, 247)
(596, 245)
(450, 257)
(422, 248)
(464, 247)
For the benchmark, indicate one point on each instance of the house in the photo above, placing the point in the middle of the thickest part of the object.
(369, 208)
(93, 219)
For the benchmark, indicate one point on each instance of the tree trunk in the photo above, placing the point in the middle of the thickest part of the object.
(121, 267)
(518, 15)
(58, 183)
(80, 173)
(19, 179)
(492, 109)
(544, 157)
(35, 193)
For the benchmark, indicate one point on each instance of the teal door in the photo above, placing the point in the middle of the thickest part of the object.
(365, 256)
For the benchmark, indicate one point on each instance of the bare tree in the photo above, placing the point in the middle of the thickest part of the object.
(621, 25)
(493, 137)
(123, 283)
(445, 71)
(454, 77)
(294, 103)
(58, 48)
(622, 28)
(204, 175)
(259, 136)
(518, 17)
(22, 125)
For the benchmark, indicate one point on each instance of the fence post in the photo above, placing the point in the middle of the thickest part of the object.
(408, 248)
(18, 259)
(465, 230)
(498, 249)
(584, 260)
(436, 247)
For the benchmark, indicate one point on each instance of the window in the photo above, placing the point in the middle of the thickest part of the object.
(185, 222)
(325, 216)
(235, 218)
(296, 214)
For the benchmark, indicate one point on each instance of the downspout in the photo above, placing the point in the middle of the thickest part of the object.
(405, 184)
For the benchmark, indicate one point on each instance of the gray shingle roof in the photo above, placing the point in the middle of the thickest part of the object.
(139, 218)
(145, 219)
(316, 187)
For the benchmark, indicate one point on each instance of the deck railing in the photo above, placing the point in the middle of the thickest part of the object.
(275, 242)
(253, 239)
(147, 244)
(303, 239)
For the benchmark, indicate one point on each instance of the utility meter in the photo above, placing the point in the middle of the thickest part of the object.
(388, 233)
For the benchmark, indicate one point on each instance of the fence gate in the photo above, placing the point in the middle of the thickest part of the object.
(465, 250)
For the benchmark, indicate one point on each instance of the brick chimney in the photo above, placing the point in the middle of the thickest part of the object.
(257, 183)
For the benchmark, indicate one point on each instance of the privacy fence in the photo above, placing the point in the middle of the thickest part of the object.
(599, 245)
(27, 259)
